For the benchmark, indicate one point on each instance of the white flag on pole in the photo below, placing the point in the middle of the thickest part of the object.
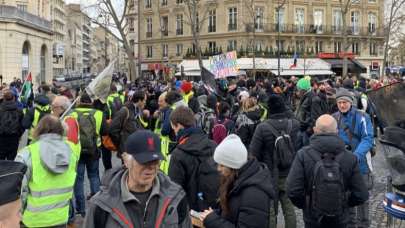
(99, 88)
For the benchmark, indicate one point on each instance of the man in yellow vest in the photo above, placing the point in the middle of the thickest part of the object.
(34, 115)
(50, 177)
(114, 102)
(92, 125)
(163, 130)
(188, 96)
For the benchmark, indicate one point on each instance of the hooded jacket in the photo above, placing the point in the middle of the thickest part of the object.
(114, 206)
(125, 122)
(308, 110)
(55, 156)
(193, 143)
(11, 106)
(245, 125)
(300, 177)
(41, 101)
(249, 200)
(263, 141)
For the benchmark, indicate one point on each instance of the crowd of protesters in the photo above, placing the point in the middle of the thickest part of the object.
(230, 156)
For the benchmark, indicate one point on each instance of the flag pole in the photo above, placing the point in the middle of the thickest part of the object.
(69, 108)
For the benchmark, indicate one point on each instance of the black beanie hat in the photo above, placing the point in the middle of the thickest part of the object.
(11, 176)
(276, 104)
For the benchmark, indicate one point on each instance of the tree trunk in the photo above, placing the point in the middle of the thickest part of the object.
(387, 38)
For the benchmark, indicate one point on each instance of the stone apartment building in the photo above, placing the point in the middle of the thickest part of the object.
(315, 25)
(26, 40)
(58, 20)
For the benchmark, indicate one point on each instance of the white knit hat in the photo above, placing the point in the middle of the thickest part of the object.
(231, 152)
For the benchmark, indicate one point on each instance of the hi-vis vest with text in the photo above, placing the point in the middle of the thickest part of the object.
(37, 113)
(49, 194)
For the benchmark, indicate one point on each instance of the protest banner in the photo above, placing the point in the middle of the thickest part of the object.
(99, 88)
(224, 65)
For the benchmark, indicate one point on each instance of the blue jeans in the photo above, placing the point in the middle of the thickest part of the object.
(94, 178)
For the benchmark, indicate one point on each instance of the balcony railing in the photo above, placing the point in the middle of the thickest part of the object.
(316, 29)
(25, 18)
(179, 31)
(232, 27)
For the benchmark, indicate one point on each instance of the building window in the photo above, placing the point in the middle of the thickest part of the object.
(232, 19)
(232, 45)
(164, 2)
(337, 46)
(299, 20)
(212, 45)
(179, 49)
(148, 3)
(149, 51)
(337, 21)
(179, 1)
(318, 47)
(373, 48)
(356, 48)
(149, 27)
(355, 1)
(279, 15)
(22, 7)
(259, 45)
(355, 28)
(259, 19)
(179, 24)
(212, 21)
(318, 21)
(372, 1)
(165, 25)
(165, 50)
(372, 23)
(300, 46)
(280, 43)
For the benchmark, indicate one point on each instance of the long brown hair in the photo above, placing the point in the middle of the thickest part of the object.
(48, 125)
(226, 185)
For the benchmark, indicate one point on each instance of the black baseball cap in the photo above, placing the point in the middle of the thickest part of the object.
(144, 146)
(11, 176)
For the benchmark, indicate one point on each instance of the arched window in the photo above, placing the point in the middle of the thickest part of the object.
(43, 63)
(25, 61)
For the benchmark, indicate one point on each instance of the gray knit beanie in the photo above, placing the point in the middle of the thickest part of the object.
(344, 94)
(231, 152)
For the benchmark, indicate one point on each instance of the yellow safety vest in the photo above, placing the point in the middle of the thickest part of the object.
(98, 116)
(110, 100)
(164, 148)
(49, 193)
(37, 113)
(264, 115)
(187, 97)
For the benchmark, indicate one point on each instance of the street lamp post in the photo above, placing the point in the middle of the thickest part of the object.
(278, 41)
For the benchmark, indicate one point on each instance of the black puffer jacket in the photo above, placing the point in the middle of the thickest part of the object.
(124, 123)
(192, 144)
(246, 124)
(249, 200)
(301, 172)
(262, 144)
(308, 110)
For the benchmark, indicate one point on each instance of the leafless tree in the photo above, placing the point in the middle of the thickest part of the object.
(345, 6)
(196, 21)
(113, 16)
(394, 24)
(250, 25)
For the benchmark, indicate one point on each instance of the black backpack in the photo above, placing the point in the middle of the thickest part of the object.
(284, 150)
(328, 195)
(10, 122)
(204, 184)
(88, 134)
